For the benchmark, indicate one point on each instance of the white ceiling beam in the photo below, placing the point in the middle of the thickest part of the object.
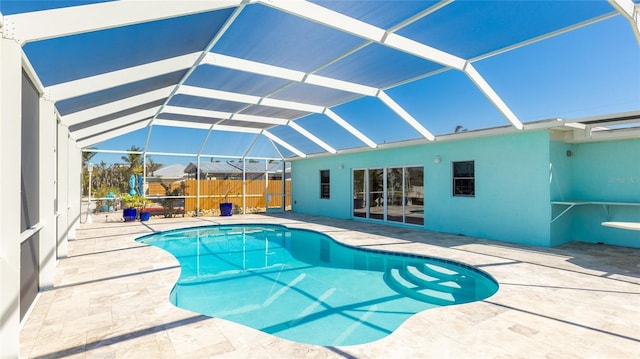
(216, 37)
(312, 137)
(359, 28)
(283, 143)
(187, 111)
(291, 105)
(328, 17)
(184, 124)
(231, 96)
(217, 94)
(111, 79)
(118, 122)
(405, 116)
(418, 49)
(47, 24)
(340, 85)
(488, 91)
(347, 126)
(248, 99)
(259, 119)
(236, 129)
(344, 23)
(239, 64)
(115, 106)
(224, 115)
(90, 141)
(631, 12)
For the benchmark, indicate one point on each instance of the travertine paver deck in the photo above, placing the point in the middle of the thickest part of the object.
(111, 301)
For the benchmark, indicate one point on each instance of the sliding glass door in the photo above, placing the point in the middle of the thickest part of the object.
(394, 194)
(414, 195)
(395, 203)
(376, 193)
(359, 194)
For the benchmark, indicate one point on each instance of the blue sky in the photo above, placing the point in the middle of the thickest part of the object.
(589, 71)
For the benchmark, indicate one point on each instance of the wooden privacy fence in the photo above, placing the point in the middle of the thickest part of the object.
(213, 192)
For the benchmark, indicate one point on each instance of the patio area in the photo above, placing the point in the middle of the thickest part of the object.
(110, 300)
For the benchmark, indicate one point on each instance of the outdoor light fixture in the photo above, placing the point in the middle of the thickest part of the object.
(437, 160)
(341, 166)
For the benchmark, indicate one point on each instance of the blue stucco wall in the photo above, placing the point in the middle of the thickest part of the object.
(561, 189)
(606, 171)
(512, 185)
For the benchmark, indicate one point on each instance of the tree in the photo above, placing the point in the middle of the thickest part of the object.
(134, 160)
(87, 156)
(152, 166)
(169, 203)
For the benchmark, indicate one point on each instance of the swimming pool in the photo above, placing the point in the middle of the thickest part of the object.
(303, 286)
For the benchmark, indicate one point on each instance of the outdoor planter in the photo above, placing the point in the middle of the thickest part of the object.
(358, 203)
(129, 214)
(144, 216)
(226, 208)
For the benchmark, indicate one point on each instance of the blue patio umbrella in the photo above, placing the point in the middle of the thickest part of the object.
(132, 185)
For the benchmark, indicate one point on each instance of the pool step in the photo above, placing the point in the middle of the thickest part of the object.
(415, 276)
(412, 282)
(438, 271)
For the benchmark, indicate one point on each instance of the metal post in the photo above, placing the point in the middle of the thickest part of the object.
(197, 188)
(284, 186)
(267, 196)
(90, 170)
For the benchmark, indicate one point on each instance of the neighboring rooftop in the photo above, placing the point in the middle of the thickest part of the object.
(171, 171)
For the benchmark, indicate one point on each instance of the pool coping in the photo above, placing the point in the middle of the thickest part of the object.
(110, 299)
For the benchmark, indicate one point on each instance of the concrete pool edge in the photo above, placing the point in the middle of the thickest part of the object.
(536, 312)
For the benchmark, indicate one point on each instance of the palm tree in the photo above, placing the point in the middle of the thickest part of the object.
(134, 160)
(87, 156)
(152, 166)
(100, 174)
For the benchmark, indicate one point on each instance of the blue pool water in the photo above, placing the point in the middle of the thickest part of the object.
(303, 286)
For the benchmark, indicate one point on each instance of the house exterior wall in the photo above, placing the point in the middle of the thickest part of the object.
(609, 172)
(561, 189)
(512, 185)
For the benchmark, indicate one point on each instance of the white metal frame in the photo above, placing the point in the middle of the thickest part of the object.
(35, 26)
